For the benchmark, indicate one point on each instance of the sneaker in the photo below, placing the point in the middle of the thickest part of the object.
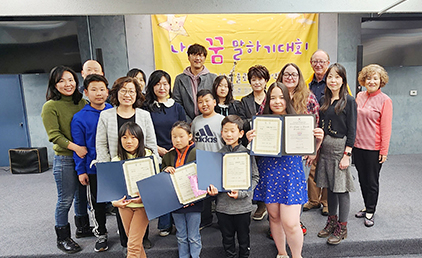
(309, 206)
(304, 229)
(101, 244)
(165, 232)
(260, 212)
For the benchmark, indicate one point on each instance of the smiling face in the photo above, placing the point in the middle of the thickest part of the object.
(372, 82)
(97, 94)
(162, 89)
(320, 63)
(231, 134)
(290, 77)
(127, 94)
(67, 85)
(334, 81)
(196, 61)
(206, 105)
(180, 138)
(222, 89)
(258, 84)
(129, 142)
(277, 102)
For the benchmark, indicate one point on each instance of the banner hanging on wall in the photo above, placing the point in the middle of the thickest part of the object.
(236, 42)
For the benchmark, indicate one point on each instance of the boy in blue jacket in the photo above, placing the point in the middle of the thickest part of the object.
(84, 130)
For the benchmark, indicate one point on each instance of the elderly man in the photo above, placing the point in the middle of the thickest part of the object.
(91, 67)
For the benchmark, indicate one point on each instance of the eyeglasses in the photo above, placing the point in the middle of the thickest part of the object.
(321, 62)
(124, 92)
(293, 75)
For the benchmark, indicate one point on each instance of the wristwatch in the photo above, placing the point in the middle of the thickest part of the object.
(347, 153)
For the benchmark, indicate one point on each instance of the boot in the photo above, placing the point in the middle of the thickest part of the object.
(64, 242)
(339, 234)
(329, 227)
(82, 227)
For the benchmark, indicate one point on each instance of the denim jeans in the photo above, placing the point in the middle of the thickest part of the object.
(187, 234)
(165, 221)
(68, 189)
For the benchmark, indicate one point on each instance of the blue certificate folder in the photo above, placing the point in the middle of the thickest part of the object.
(111, 182)
(210, 169)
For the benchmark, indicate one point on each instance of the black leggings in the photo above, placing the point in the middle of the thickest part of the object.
(340, 200)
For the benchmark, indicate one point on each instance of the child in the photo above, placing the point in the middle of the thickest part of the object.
(234, 208)
(222, 89)
(282, 184)
(135, 221)
(338, 114)
(84, 130)
(188, 218)
(207, 132)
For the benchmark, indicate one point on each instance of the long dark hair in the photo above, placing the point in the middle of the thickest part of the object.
(286, 96)
(341, 104)
(136, 131)
(155, 78)
(55, 76)
(229, 97)
(118, 84)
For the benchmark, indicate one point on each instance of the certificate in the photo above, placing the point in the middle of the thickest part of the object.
(268, 136)
(135, 170)
(182, 184)
(236, 171)
(298, 135)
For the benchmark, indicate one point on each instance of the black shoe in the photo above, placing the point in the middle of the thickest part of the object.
(101, 244)
(65, 242)
(147, 244)
(82, 227)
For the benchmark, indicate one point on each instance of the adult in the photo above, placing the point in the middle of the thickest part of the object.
(193, 79)
(375, 114)
(139, 75)
(90, 67)
(252, 105)
(222, 89)
(63, 101)
(164, 113)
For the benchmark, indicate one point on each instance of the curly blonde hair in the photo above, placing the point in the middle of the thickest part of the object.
(369, 70)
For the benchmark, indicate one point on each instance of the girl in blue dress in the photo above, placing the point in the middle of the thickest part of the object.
(282, 184)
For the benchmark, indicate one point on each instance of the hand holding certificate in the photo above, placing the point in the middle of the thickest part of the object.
(182, 184)
(135, 170)
(236, 171)
(268, 135)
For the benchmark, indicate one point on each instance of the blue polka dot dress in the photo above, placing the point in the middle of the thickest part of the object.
(281, 180)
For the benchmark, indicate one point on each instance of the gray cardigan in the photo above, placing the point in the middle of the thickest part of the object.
(182, 91)
(243, 203)
(107, 133)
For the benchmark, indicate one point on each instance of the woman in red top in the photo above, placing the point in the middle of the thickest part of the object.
(373, 131)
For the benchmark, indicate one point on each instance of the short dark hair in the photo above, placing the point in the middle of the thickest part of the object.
(118, 84)
(203, 93)
(135, 130)
(229, 97)
(155, 78)
(134, 72)
(183, 125)
(55, 76)
(197, 49)
(94, 78)
(258, 71)
(233, 119)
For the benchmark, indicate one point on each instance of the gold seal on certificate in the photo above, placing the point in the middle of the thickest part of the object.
(182, 184)
(135, 170)
(236, 171)
(268, 135)
(298, 135)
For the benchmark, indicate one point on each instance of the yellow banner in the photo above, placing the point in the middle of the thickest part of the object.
(236, 42)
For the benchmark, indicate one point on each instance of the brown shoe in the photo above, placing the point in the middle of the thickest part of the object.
(260, 212)
(329, 227)
(309, 206)
(324, 211)
(339, 234)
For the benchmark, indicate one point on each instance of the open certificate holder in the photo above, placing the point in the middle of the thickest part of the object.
(284, 135)
(118, 178)
(182, 184)
(226, 171)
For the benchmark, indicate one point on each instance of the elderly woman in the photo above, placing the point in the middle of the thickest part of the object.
(375, 112)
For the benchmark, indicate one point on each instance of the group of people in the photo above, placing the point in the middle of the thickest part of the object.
(199, 112)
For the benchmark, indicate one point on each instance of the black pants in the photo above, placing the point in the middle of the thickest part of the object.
(206, 214)
(368, 167)
(229, 226)
(99, 209)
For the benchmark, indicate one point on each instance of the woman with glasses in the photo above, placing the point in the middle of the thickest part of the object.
(126, 97)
